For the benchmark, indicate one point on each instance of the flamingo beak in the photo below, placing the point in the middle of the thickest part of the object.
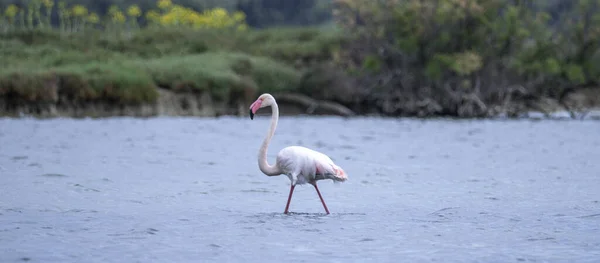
(254, 107)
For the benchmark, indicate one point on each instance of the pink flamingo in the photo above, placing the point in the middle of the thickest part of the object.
(300, 164)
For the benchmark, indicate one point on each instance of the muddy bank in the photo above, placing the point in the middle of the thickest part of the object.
(168, 103)
(510, 102)
(578, 104)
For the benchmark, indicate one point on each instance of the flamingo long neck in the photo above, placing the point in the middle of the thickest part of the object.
(264, 166)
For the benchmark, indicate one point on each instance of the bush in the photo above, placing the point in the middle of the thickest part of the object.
(468, 52)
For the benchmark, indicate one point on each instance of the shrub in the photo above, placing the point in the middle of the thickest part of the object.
(449, 50)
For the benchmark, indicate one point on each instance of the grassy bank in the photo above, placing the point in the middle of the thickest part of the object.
(128, 68)
(403, 59)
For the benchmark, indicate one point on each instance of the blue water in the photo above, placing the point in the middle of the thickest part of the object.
(189, 190)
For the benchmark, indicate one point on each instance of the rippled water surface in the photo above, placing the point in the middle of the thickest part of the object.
(189, 190)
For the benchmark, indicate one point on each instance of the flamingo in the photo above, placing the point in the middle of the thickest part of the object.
(301, 165)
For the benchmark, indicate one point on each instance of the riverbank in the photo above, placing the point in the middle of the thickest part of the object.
(179, 72)
(168, 103)
(152, 71)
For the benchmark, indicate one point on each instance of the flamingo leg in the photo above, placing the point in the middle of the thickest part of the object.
(319, 193)
(289, 199)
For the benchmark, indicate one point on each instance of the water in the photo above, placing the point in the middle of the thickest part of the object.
(189, 190)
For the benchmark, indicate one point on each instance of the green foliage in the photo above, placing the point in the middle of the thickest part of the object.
(575, 73)
(435, 67)
(445, 42)
(552, 66)
(273, 76)
(204, 72)
(116, 82)
(94, 66)
(30, 86)
(113, 82)
(291, 43)
(217, 72)
(463, 63)
(372, 63)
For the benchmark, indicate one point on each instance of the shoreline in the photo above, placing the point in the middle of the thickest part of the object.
(173, 104)
(100, 78)
(593, 115)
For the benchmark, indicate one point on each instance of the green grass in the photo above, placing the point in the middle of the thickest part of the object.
(106, 81)
(219, 73)
(128, 69)
(290, 44)
(120, 83)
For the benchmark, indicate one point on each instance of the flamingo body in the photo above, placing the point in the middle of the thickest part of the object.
(302, 165)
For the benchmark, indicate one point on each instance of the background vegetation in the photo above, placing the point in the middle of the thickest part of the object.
(469, 57)
(259, 13)
(397, 57)
(114, 58)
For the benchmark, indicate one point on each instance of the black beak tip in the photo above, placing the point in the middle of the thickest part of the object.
(251, 115)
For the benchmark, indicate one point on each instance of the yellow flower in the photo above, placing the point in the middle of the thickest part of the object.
(93, 18)
(11, 11)
(79, 10)
(134, 11)
(167, 19)
(164, 4)
(219, 12)
(118, 17)
(239, 16)
(184, 16)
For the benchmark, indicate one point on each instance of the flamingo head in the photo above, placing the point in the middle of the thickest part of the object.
(263, 100)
